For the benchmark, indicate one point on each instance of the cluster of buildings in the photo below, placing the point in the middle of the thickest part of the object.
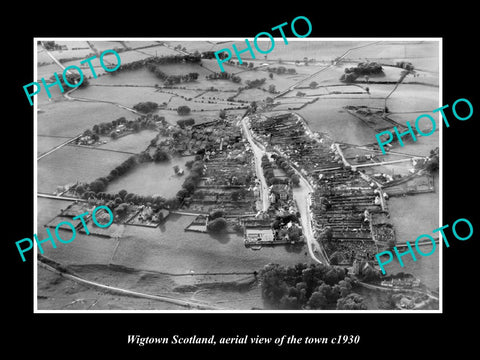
(343, 200)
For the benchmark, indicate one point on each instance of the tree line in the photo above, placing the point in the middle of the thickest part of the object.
(314, 286)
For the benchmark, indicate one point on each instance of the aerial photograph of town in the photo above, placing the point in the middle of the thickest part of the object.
(262, 187)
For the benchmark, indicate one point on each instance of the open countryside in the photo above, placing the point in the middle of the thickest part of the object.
(259, 188)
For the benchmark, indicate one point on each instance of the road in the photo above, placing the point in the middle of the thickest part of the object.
(300, 194)
(258, 153)
(334, 63)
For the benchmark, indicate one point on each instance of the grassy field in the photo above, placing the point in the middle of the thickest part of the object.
(152, 179)
(71, 118)
(45, 143)
(172, 250)
(134, 143)
(124, 95)
(71, 163)
(329, 116)
(131, 77)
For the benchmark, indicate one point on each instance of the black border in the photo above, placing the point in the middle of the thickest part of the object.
(383, 334)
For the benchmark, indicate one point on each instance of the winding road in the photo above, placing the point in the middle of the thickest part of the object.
(301, 195)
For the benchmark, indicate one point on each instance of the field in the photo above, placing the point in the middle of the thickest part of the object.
(124, 95)
(152, 179)
(328, 116)
(170, 249)
(71, 163)
(45, 143)
(134, 143)
(71, 118)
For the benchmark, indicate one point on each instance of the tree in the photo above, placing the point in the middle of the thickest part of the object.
(317, 301)
(218, 225)
(182, 194)
(288, 302)
(295, 180)
(334, 275)
(122, 193)
(160, 156)
(121, 209)
(80, 189)
(271, 89)
(97, 186)
(146, 107)
(352, 301)
(222, 114)
(270, 75)
(183, 110)
(216, 214)
(136, 126)
(313, 84)
(189, 185)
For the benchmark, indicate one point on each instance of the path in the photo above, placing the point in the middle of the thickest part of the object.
(58, 147)
(396, 289)
(58, 197)
(115, 290)
(334, 63)
(302, 196)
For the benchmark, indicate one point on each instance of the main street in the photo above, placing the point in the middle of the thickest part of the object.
(300, 194)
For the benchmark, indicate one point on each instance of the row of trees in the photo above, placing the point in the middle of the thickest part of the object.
(142, 122)
(171, 79)
(314, 286)
(282, 70)
(283, 164)
(368, 68)
(255, 83)
(192, 180)
(185, 122)
(146, 107)
(269, 174)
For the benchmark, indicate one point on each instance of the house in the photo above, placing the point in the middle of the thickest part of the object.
(281, 191)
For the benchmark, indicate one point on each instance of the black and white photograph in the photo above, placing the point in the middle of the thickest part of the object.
(237, 180)
(211, 181)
